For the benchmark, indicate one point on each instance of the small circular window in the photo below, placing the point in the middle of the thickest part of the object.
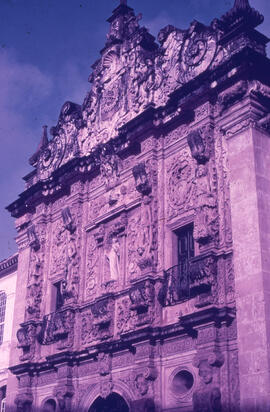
(182, 382)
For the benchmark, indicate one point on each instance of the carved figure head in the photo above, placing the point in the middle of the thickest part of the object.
(141, 179)
(141, 384)
(206, 372)
(197, 146)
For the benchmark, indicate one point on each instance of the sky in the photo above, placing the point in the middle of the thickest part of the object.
(47, 48)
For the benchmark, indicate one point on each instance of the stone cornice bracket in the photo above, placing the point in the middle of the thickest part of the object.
(33, 239)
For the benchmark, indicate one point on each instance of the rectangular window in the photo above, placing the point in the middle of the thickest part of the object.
(3, 300)
(185, 253)
(57, 296)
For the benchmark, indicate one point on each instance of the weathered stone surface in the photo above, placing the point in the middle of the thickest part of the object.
(143, 234)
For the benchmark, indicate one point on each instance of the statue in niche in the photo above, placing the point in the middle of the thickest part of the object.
(208, 397)
(112, 256)
(145, 235)
(69, 285)
(205, 206)
(34, 286)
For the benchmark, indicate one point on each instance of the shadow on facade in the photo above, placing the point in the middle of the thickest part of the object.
(113, 403)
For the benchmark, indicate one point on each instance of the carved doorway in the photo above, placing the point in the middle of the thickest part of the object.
(113, 403)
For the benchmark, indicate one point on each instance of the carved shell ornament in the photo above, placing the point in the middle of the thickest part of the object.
(198, 52)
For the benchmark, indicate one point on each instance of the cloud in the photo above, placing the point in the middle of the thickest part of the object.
(23, 88)
(157, 23)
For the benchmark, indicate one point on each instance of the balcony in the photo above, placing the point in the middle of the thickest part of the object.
(191, 278)
(57, 327)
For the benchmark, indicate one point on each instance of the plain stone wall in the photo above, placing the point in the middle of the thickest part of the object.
(249, 159)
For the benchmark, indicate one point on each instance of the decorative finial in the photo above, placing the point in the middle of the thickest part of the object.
(241, 4)
(44, 139)
(242, 13)
(42, 145)
(124, 2)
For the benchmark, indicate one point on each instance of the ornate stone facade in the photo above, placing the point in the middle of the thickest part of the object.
(131, 266)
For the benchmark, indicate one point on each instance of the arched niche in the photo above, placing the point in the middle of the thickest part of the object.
(120, 388)
(49, 406)
(113, 403)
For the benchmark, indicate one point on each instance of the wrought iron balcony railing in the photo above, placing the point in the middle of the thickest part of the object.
(188, 279)
(56, 326)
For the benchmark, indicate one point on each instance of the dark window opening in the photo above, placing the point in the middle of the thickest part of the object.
(57, 295)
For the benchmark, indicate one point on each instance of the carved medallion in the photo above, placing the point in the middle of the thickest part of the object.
(197, 53)
(180, 180)
(51, 157)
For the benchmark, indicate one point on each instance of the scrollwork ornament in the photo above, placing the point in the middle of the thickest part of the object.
(197, 53)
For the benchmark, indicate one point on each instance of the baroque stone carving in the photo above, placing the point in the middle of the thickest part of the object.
(180, 184)
(58, 327)
(198, 52)
(142, 179)
(23, 401)
(105, 363)
(34, 287)
(64, 396)
(208, 396)
(206, 220)
(33, 239)
(26, 336)
(65, 257)
(63, 145)
(97, 322)
(198, 279)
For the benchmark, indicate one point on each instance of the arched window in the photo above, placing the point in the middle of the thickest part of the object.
(3, 300)
(3, 405)
(3, 399)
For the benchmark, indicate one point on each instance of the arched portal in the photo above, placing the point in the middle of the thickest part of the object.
(113, 403)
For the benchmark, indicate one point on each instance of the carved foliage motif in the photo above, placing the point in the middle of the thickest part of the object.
(63, 145)
(97, 323)
(138, 309)
(92, 266)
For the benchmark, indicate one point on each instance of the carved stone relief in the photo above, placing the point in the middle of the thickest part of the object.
(65, 256)
(26, 336)
(97, 322)
(208, 396)
(179, 182)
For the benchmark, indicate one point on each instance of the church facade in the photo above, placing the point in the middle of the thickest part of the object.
(143, 233)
